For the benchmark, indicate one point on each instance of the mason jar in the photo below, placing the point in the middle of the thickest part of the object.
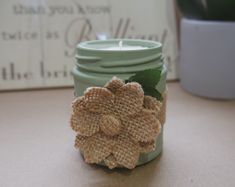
(96, 65)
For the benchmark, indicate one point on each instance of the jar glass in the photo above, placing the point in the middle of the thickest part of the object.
(97, 62)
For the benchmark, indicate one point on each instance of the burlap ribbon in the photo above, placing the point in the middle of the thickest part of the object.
(116, 123)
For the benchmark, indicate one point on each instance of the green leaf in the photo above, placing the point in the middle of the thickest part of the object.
(193, 9)
(220, 10)
(153, 92)
(148, 79)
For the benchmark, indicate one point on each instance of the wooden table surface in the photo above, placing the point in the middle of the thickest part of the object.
(36, 144)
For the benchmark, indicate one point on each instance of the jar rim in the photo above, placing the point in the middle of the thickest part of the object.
(99, 45)
(92, 57)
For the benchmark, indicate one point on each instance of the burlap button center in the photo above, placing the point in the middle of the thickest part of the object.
(110, 125)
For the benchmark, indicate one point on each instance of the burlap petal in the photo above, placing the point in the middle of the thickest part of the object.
(85, 123)
(80, 141)
(146, 147)
(114, 84)
(98, 100)
(111, 162)
(96, 148)
(126, 152)
(152, 103)
(143, 127)
(129, 99)
(78, 104)
(73, 122)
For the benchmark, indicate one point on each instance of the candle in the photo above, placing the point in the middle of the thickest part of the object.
(122, 47)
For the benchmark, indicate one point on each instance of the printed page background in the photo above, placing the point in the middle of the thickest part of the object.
(38, 38)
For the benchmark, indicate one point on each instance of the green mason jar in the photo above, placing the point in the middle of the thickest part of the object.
(98, 61)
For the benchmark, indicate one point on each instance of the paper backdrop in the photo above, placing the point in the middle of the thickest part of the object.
(38, 37)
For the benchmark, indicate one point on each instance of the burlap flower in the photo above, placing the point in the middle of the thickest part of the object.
(115, 123)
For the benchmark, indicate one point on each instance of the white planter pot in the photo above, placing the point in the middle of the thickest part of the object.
(207, 59)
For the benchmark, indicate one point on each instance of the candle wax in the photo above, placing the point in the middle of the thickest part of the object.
(120, 47)
(124, 48)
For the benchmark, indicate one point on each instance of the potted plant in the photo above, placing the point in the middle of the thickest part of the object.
(207, 57)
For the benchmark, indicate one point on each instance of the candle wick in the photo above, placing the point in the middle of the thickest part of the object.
(120, 44)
